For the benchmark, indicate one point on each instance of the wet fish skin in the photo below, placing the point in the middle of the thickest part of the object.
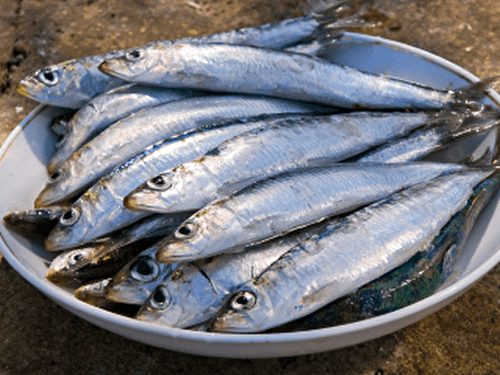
(412, 281)
(262, 153)
(218, 67)
(130, 136)
(134, 283)
(93, 294)
(74, 82)
(195, 291)
(288, 202)
(106, 256)
(355, 245)
(34, 221)
(104, 110)
(100, 209)
(423, 142)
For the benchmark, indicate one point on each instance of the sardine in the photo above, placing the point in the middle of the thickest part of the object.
(262, 153)
(93, 294)
(132, 135)
(73, 83)
(287, 202)
(100, 209)
(106, 256)
(35, 221)
(134, 283)
(219, 67)
(424, 142)
(412, 281)
(357, 250)
(194, 292)
(104, 110)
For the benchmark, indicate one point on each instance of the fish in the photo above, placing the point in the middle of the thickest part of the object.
(131, 135)
(295, 76)
(287, 202)
(413, 281)
(100, 209)
(195, 291)
(34, 221)
(73, 83)
(134, 283)
(106, 256)
(355, 251)
(262, 153)
(104, 110)
(92, 294)
(423, 143)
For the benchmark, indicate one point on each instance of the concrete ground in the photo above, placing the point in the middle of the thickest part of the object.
(39, 337)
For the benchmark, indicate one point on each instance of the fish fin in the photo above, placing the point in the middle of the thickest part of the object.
(472, 93)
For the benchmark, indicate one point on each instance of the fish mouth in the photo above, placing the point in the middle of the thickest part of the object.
(116, 68)
(176, 254)
(22, 88)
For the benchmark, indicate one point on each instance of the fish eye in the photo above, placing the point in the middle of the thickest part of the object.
(54, 177)
(75, 258)
(134, 55)
(145, 269)
(186, 230)
(160, 299)
(160, 182)
(243, 301)
(70, 217)
(49, 76)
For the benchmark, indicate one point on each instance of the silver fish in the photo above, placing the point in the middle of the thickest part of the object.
(194, 292)
(131, 135)
(106, 256)
(104, 110)
(423, 142)
(93, 294)
(73, 83)
(262, 153)
(287, 202)
(219, 67)
(357, 250)
(134, 283)
(35, 221)
(100, 209)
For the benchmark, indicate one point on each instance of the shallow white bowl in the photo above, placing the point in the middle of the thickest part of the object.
(25, 155)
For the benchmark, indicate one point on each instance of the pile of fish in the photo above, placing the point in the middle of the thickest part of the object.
(241, 182)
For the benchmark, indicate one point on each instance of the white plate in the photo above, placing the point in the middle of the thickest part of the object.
(26, 152)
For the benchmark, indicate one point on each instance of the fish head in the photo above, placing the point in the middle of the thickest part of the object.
(184, 298)
(39, 221)
(136, 280)
(136, 65)
(93, 294)
(246, 311)
(159, 309)
(65, 267)
(63, 184)
(159, 194)
(68, 84)
(69, 230)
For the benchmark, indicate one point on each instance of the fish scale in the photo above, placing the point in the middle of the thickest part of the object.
(74, 82)
(219, 67)
(349, 254)
(128, 137)
(287, 202)
(262, 153)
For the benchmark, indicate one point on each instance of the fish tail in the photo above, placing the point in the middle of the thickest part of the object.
(344, 14)
(474, 92)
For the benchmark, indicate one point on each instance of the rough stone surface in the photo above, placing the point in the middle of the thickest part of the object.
(39, 337)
